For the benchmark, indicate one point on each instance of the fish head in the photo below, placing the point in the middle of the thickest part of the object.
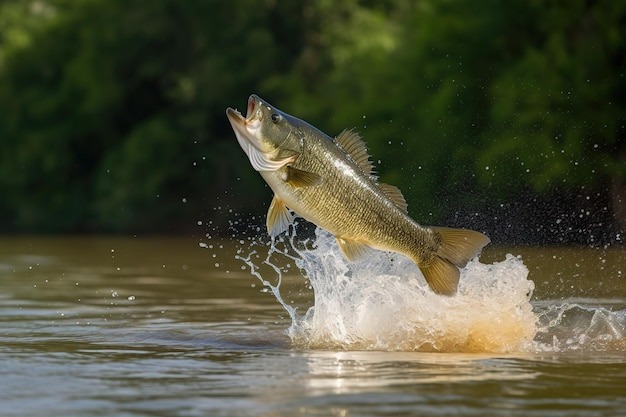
(270, 138)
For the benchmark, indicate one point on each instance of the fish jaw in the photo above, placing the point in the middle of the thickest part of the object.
(249, 136)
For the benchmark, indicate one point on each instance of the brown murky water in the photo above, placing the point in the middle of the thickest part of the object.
(96, 326)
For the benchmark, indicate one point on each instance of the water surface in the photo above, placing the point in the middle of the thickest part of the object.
(97, 326)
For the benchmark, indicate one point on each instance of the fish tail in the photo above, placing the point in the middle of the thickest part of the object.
(457, 247)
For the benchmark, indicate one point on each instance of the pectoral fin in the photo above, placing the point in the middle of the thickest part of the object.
(299, 178)
(352, 249)
(279, 217)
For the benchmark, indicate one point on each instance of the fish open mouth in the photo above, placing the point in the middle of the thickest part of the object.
(249, 124)
(251, 107)
(252, 117)
(241, 126)
(248, 132)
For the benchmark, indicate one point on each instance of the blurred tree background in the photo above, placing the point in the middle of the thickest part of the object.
(508, 117)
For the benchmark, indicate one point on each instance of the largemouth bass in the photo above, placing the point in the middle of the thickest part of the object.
(331, 183)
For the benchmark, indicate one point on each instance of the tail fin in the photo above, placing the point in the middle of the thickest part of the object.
(458, 246)
(442, 276)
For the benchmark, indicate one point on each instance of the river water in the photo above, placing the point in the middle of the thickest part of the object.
(191, 326)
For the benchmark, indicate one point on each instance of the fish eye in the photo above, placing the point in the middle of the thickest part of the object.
(276, 117)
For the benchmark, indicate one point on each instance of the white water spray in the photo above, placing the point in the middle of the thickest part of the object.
(383, 303)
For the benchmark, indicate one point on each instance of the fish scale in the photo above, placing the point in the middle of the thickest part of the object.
(330, 183)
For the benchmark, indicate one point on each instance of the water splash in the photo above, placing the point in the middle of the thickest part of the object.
(383, 303)
(581, 325)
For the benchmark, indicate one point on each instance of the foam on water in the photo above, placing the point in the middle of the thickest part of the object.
(581, 325)
(383, 303)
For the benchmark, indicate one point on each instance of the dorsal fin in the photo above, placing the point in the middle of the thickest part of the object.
(395, 195)
(351, 142)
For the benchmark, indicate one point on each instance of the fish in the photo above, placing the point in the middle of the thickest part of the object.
(332, 183)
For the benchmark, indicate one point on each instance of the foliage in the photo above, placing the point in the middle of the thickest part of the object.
(477, 105)
(112, 112)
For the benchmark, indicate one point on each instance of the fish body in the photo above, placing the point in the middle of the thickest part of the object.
(331, 183)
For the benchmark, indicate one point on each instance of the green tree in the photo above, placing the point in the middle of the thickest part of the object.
(471, 105)
(112, 112)
(558, 112)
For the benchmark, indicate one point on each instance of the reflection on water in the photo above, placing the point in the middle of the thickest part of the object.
(138, 327)
(355, 371)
